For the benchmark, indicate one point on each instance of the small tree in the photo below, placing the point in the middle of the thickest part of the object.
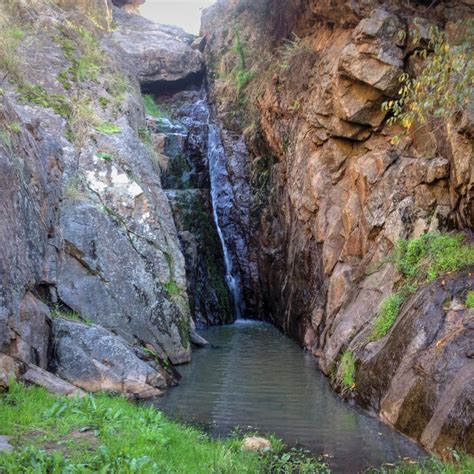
(445, 85)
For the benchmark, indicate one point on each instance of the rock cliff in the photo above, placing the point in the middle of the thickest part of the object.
(325, 194)
(87, 230)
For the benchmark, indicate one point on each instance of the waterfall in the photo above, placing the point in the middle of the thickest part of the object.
(221, 197)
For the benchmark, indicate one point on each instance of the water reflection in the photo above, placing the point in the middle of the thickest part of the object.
(256, 378)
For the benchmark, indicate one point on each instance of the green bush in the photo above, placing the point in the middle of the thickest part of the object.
(445, 85)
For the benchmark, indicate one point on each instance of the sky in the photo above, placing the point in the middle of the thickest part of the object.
(183, 13)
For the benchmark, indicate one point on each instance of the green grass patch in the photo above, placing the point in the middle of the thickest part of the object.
(110, 434)
(172, 288)
(470, 299)
(461, 464)
(420, 261)
(429, 256)
(105, 156)
(108, 128)
(37, 95)
(387, 315)
(152, 108)
(347, 367)
(11, 37)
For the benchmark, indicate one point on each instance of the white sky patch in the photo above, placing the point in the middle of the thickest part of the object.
(183, 13)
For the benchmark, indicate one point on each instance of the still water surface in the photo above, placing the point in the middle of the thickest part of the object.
(256, 378)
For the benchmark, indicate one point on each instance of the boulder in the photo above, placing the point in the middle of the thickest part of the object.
(95, 359)
(37, 376)
(256, 444)
(156, 53)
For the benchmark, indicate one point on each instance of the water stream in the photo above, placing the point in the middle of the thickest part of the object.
(220, 190)
(257, 379)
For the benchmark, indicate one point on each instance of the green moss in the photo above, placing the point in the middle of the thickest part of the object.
(470, 299)
(108, 128)
(387, 315)
(199, 221)
(104, 102)
(347, 368)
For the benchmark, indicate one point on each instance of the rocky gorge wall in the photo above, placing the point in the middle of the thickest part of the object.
(328, 195)
(93, 284)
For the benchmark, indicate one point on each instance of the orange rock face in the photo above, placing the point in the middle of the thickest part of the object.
(339, 195)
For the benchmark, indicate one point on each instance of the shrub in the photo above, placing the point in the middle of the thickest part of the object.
(444, 87)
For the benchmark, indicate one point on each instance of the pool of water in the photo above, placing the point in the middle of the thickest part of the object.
(255, 378)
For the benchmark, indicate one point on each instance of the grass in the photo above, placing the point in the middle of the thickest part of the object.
(110, 434)
(152, 108)
(11, 37)
(347, 367)
(172, 288)
(470, 300)
(37, 95)
(421, 261)
(105, 156)
(108, 128)
(387, 315)
(462, 464)
(69, 315)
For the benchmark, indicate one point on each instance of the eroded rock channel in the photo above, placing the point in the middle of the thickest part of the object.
(154, 184)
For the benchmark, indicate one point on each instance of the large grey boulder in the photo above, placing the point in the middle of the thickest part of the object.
(156, 52)
(95, 359)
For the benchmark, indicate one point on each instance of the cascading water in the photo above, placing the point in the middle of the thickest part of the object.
(221, 193)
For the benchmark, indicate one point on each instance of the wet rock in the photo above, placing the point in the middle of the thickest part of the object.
(256, 444)
(156, 53)
(94, 359)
